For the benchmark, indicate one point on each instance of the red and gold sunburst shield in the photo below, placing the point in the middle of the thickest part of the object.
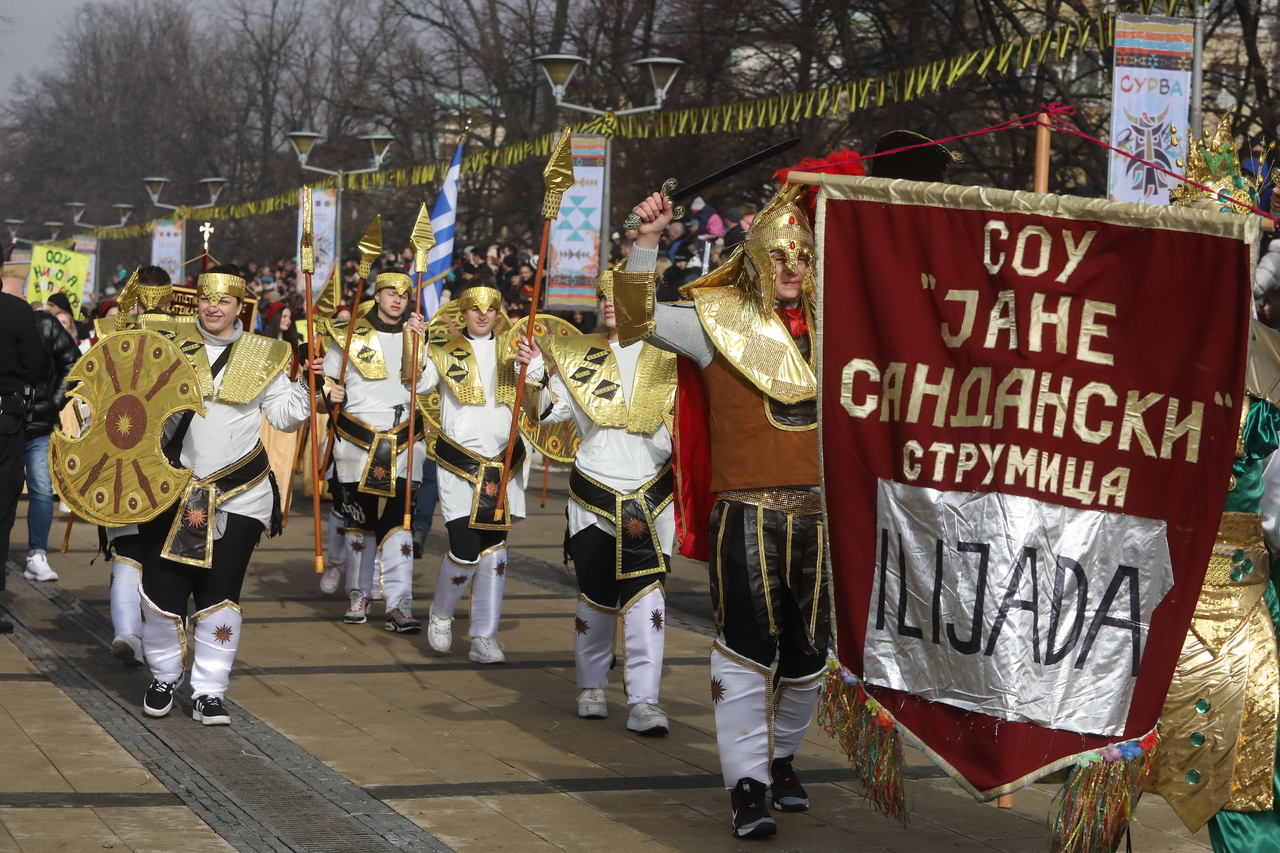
(115, 473)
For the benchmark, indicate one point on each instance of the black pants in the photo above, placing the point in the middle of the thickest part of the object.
(361, 511)
(13, 448)
(169, 585)
(741, 628)
(595, 562)
(466, 542)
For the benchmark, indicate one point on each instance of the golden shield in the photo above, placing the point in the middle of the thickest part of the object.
(115, 473)
(556, 441)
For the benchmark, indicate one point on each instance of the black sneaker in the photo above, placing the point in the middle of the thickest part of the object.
(751, 818)
(159, 699)
(6, 627)
(787, 792)
(209, 710)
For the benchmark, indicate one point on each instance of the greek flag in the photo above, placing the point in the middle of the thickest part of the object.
(443, 217)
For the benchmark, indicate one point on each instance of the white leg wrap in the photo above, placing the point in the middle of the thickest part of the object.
(741, 693)
(593, 630)
(126, 598)
(216, 632)
(455, 575)
(793, 702)
(397, 567)
(164, 641)
(361, 554)
(337, 540)
(486, 596)
(644, 622)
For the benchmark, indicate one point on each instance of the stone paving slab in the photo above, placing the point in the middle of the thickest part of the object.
(482, 758)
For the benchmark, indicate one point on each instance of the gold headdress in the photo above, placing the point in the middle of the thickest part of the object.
(604, 286)
(782, 227)
(215, 285)
(480, 297)
(1215, 163)
(400, 281)
(147, 295)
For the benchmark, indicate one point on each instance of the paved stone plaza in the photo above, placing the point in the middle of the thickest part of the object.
(349, 738)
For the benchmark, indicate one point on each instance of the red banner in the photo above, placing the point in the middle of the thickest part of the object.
(1029, 410)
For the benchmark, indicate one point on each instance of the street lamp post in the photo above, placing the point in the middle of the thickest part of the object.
(77, 211)
(155, 186)
(560, 68)
(304, 140)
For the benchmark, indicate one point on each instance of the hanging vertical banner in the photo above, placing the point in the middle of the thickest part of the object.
(324, 225)
(1022, 477)
(1150, 97)
(87, 245)
(574, 254)
(56, 270)
(167, 245)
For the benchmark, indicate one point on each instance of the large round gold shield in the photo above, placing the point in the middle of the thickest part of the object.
(115, 472)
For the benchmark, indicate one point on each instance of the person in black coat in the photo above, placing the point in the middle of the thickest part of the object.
(20, 369)
(60, 353)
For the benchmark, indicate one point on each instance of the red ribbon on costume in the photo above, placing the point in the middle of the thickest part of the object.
(795, 320)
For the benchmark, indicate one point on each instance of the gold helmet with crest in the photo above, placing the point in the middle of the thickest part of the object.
(1215, 163)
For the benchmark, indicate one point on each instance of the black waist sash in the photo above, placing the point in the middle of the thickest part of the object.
(190, 538)
(379, 474)
(485, 474)
(638, 551)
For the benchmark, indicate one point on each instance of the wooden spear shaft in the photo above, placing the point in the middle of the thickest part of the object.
(524, 369)
(315, 423)
(1040, 184)
(415, 373)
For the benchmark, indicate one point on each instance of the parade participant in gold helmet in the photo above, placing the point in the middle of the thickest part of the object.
(476, 376)
(200, 548)
(621, 518)
(371, 454)
(1216, 762)
(750, 330)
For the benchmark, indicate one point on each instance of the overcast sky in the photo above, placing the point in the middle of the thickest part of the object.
(28, 36)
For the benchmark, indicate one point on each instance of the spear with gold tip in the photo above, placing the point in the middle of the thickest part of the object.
(423, 238)
(307, 256)
(558, 178)
(370, 249)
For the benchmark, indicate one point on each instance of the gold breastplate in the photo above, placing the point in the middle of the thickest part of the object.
(455, 360)
(590, 370)
(366, 348)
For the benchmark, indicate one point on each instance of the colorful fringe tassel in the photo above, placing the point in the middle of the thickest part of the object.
(1096, 803)
(866, 733)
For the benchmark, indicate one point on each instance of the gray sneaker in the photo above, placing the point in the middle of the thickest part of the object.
(648, 720)
(400, 618)
(591, 704)
(486, 650)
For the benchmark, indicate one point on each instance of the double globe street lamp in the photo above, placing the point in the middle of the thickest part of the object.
(303, 141)
(77, 210)
(559, 69)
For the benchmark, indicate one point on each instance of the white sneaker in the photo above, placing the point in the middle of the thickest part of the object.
(127, 648)
(358, 612)
(486, 650)
(646, 719)
(331, 578)
(38, 569)
(591, 705)
(439, 632)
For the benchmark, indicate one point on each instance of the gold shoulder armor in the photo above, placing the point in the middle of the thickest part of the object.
(255, 361)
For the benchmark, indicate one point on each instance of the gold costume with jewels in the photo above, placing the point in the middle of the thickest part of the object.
(1216, 762)
(747, 399)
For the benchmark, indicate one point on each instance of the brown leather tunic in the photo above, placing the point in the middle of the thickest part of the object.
(747, 451)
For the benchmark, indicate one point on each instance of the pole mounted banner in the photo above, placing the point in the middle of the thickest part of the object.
(1023, 466)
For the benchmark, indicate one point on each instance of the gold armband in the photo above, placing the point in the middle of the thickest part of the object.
(406, 356)
(531, 401)
(634, 297)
